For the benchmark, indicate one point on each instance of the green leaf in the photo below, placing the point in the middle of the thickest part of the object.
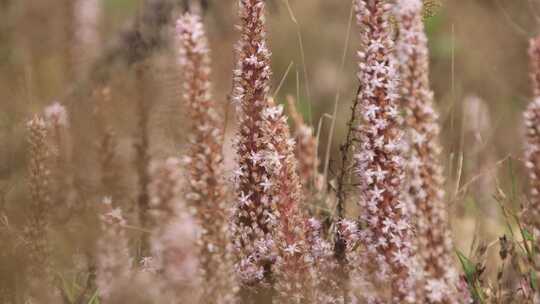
(94, 299)
(468, 267)
(534, 279)
(67, 289)
(527, 235)
(470, 274)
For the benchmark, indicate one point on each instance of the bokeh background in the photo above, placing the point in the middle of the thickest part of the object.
(479, 72)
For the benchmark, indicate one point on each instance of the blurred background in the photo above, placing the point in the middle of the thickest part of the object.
(479, 72)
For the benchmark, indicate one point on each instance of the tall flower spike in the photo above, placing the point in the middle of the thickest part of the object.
(207, 191)
(425, 183)
(63, 191)
(532, 145)
(173, 241)
(39, 180)
(293, 270)
(306, 153)
(267, 225)
(387, 236)
(254, 218)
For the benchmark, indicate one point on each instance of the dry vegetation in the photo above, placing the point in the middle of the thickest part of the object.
(269, 151)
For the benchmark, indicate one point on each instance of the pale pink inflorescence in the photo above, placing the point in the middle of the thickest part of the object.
(387, 259)
(306, 153)
(57, 120)
(39, 181)
(268, 226)
(173, 241)
(293, 268)
(424, 189)
(206, 189)
(532, 144)
(254, 216)
(56, 114)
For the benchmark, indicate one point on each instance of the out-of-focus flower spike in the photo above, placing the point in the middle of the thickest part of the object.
(306, 153)
(87, 15)
(39, 181)
(113, 259)
(532, 143)
(206, 190)
(174, 241)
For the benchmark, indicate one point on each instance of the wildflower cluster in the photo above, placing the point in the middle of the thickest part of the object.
(190, 237)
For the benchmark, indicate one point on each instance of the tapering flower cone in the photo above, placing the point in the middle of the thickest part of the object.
(206, 190)
(293, 270)
(387, 236)
(306, 153)
(425, 184)
(267, 224)
(254, 218)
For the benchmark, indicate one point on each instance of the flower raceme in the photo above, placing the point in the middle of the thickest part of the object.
(425, 183)
(206, 190)
(379, 158)
(254, 218)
